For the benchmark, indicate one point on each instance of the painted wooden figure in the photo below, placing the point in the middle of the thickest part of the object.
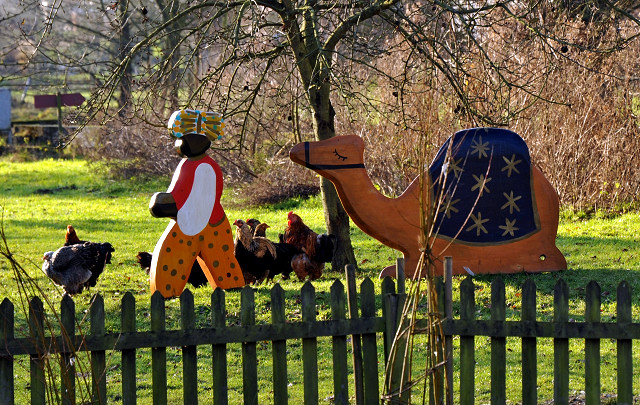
(493, 211)
(199, 229)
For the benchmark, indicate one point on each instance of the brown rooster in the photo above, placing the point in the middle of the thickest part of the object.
(71, 238)
(316, 249)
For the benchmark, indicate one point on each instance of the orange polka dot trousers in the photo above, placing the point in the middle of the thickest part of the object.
(175, 253)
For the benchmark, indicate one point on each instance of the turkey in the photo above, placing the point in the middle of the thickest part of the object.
(78, 266)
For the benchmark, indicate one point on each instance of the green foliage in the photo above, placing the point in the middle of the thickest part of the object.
(40, 198)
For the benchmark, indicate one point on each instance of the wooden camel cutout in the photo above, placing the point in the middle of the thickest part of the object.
(396, 221)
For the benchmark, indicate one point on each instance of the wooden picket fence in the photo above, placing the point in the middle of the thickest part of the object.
(361, 328)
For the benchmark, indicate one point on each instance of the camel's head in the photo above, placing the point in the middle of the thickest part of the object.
(330, 155)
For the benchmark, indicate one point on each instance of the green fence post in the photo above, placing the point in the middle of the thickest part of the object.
(309, 346)
(340, 371)
(561, 345)
(219, 351)
(592, 346)
(7, 393)
(467, 343)
(498, 344)
(67, 365)
(158, 353)
(624, 346)
(189, 353)
(356, 345)
(128, 325)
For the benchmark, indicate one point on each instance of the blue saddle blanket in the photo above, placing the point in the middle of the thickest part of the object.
(482, 185)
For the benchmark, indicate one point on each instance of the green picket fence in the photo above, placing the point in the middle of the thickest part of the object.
(359, 329)
(354, 322)
(529, 330)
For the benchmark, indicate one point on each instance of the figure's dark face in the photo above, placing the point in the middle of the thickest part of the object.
(192, 145)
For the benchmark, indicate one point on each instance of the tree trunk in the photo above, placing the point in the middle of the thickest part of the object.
(335, 216)
(337, 221)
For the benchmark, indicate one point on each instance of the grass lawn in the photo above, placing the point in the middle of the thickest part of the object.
(39, 199)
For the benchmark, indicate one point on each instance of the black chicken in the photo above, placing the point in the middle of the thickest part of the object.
(76, 267)
(254, 255)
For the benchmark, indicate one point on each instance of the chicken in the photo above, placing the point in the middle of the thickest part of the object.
(255, 255)
(196, 277)
(253, 224)
(276, 259)
(257, 245)
(315, 249)
(282, 264)
(260, 230)
(71, 238)
(78, 266)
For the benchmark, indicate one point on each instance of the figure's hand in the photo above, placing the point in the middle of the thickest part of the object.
(162, 205)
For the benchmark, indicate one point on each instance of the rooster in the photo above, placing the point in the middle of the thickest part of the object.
(77, 266)
(316, 250)
(71, 237)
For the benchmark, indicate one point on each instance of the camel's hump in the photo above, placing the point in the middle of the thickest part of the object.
(486, 195)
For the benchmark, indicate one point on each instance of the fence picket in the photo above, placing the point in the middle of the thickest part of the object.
(339, 346)
(158, 353)
(189, 353)
(36, 363)
(467, 346)
(67, 363)
(219, 351)
(249, 353)
(436, 389)
(592, 347)
(309, 346)
(7, 394)
(356, 344)
(389, 299)
(279, 348)
(498, 344)
(529, 345)
(128, 325)
(448, 339)
(369, 348)
(624, 347)
(98, 357)
(397, 379)
(561, 345)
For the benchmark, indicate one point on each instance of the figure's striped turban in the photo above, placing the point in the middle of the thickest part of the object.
(207, 123)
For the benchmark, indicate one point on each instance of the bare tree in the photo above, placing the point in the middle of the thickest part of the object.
(284, 69)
